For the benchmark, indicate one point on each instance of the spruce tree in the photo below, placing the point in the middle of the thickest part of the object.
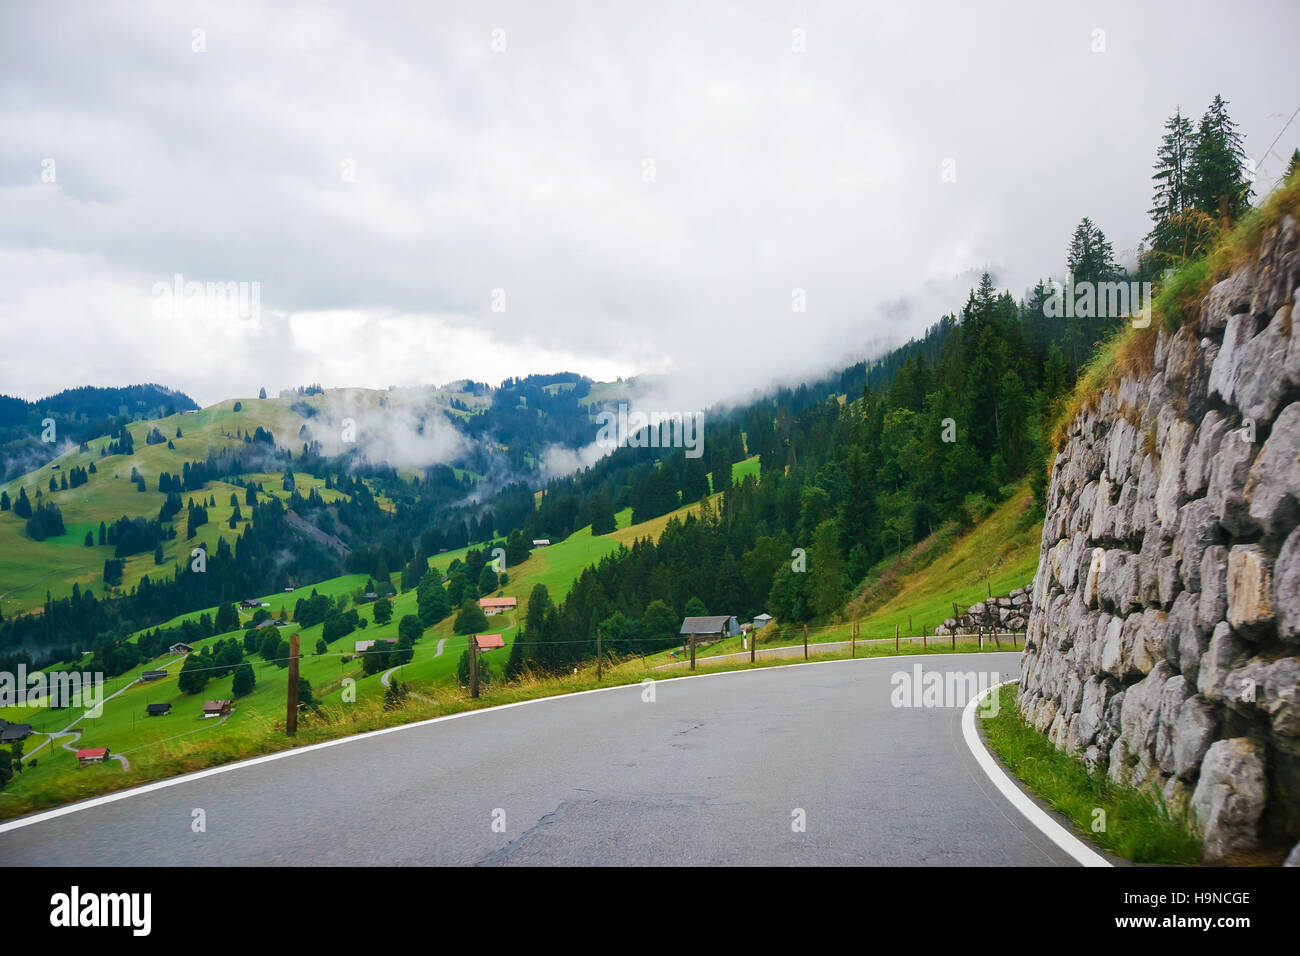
(1219, 165)
(1179, 231)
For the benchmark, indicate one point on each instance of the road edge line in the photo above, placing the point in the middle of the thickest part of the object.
(1079, 851)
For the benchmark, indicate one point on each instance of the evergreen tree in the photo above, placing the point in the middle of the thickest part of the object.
(1179, 230)
(410, 628)
(1219, 165)
(470, 619)
(603, 520)
(194, 674)
(227, 617)
(826, 570)
(432, 600)
(244, 681)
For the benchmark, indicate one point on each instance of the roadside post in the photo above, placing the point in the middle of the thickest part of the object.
(291, 711)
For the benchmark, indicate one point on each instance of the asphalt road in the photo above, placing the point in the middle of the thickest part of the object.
(711, 772)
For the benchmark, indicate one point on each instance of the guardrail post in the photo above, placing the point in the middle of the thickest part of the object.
(291, 714)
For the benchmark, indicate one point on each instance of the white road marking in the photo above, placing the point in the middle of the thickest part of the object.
(1063, 838)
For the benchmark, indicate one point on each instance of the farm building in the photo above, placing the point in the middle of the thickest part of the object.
(11, 732)
(180, 648)
(152, 675)
(91, 755)
(158, 710)
(360, 647)
(762, 621)
(495, 605)
(706, 630)
(216, 708)
(541, 542)
(489, 642)
(250, 604)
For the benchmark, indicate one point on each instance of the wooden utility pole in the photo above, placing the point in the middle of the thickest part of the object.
(753, 643)
(853, 640)
(291, 711)
(924, 642)
(910, 632)
(805, 641)
(473, 666)
(599, 648)
(895, 638)
(692, 652)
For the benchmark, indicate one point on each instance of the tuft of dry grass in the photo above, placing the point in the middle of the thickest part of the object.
(1178, 302)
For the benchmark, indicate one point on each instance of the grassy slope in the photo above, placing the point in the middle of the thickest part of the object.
(1000, 553)
(28, 569)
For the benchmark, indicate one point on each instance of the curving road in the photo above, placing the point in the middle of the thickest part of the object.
(710, 772)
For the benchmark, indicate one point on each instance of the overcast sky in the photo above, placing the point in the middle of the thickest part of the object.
(423, 192)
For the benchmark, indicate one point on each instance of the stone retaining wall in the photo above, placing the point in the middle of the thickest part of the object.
(1164, 638)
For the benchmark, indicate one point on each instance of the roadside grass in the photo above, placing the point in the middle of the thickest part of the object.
(1137, 826)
